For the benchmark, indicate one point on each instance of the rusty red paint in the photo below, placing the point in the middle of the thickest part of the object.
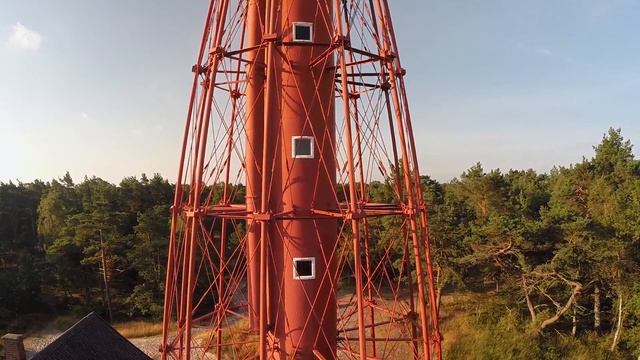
(339, 87)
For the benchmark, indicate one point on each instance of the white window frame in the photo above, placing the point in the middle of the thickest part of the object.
(301, 23)
(293, 147)
(313, 268)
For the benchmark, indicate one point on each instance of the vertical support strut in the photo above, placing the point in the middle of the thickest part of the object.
(197, 177)
(254, 127)
(264, 192)
(223, 231)
(353, 205)
(407, 179)
(363, 195)
(423, 212)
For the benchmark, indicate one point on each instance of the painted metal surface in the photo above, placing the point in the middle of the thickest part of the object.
(247, 206)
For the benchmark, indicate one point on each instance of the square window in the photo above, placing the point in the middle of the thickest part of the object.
(302, 31)
(302, 147)
(304, 268)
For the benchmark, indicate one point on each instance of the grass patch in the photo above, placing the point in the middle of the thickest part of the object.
(480, 326)
(64, 322)
(138, 329)
(238, 342)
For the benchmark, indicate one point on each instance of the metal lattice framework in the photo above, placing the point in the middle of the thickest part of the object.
(245, 207)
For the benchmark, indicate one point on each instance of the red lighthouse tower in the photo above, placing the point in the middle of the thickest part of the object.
(282, 245)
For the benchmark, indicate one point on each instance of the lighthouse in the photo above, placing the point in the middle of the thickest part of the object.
(279, 247)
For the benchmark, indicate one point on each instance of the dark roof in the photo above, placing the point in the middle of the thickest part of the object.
(91, 338)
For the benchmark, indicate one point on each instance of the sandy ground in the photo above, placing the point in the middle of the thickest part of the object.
(36, 342)
(149, 345)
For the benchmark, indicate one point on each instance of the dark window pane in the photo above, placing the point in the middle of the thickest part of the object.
(303, 32)
(302, 147)
(304, 268)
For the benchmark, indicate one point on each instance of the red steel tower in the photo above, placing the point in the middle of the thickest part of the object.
(299, 228)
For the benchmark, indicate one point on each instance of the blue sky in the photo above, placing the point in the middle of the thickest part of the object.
(100, 87)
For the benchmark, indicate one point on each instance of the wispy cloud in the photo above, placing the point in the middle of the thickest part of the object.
(603, 9)
(84, 115)
(600, 10)
(544, 52)
(24, 38)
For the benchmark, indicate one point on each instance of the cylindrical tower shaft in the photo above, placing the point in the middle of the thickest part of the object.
(306, 310)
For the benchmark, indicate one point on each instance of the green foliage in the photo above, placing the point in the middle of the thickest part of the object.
(22, 272)
(532, 261)
(543, 247)
(58, 240)
(147, 258)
